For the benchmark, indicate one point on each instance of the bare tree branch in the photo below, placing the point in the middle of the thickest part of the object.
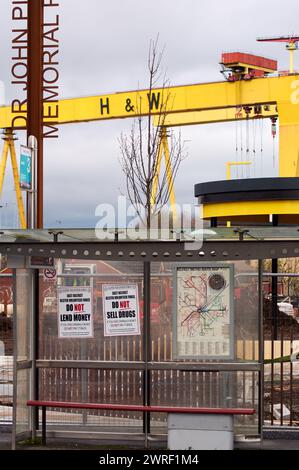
(140, 149)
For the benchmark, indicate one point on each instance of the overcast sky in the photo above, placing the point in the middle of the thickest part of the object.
(103, 48)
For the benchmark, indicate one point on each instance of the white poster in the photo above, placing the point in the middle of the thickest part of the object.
(120, 310)
(75, 316)
(204, 321)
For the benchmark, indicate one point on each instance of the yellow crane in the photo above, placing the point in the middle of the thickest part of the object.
(247, 93)
(9, 147)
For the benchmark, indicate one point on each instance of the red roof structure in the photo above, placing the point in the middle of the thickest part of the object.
(235, 59)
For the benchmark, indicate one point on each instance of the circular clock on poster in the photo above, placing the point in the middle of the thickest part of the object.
(216, 282)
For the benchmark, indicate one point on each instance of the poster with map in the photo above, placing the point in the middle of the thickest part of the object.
(203, 312)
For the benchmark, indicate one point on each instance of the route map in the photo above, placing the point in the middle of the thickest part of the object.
(204, 318)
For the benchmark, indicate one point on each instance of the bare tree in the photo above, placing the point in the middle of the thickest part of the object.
(140, 148)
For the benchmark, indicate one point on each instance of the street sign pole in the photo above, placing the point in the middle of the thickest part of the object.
(35, 95)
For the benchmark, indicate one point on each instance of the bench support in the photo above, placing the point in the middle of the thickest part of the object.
(44, 425)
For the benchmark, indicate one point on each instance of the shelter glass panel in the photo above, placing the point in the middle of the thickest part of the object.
(242, 329)
(23, 341)
(219, 389)
(23, 412)
(107, 341)
(281, 335)
(93, 386)
(6, 346)
(24, 308)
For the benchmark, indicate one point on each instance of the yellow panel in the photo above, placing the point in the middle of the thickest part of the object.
(288, 110)
(276, 345)
(5, 117)
(230, 209)
(247, 349)
(289, 150)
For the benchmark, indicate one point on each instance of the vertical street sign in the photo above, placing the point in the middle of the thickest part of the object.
(35, 94)
(26, 168)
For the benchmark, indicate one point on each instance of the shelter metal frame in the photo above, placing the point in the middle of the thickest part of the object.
(147, 252)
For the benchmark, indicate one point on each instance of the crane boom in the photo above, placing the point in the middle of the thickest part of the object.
(211, 99)
(182, 99)
(279, 39)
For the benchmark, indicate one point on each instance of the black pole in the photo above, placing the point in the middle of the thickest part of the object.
(36, 344)
(214, 222)
(44, 425)
(261, 349)
(146, 345)
(274, 288)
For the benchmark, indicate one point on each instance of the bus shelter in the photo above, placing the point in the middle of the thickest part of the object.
(168, 322)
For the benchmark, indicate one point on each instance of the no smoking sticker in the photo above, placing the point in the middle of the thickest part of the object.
(50, 274)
